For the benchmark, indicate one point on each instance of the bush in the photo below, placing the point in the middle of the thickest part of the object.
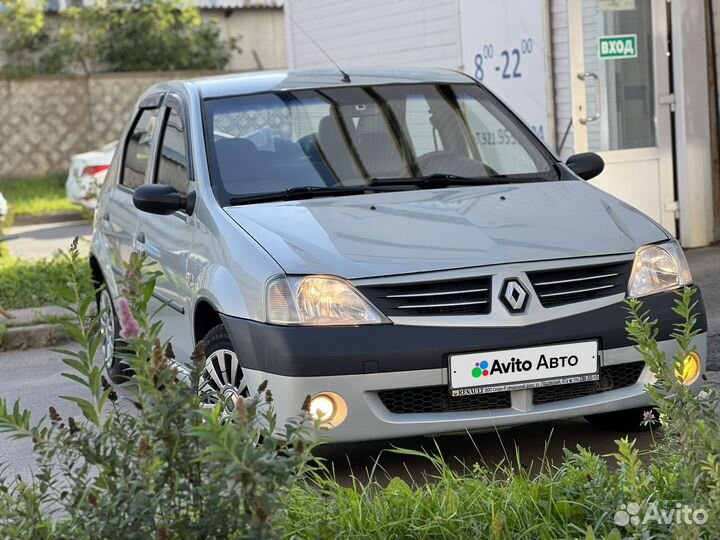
(111, 35)
(146, 460)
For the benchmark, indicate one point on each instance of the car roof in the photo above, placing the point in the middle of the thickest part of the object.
(267, 81)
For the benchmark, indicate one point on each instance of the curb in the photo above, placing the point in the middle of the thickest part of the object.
(30, 337)
(20, 221)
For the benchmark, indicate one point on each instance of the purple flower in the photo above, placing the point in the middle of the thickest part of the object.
(129, 327)
(648, 416)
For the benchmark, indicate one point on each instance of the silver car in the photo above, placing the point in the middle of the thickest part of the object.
(396, 244)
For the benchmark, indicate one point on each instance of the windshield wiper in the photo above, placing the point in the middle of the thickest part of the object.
(439, 180)
(303, 192)
(430, 181)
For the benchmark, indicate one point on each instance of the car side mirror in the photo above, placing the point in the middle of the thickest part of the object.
(162, 199)
(586, 165)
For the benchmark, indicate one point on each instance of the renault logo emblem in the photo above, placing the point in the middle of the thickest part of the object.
(514, 296)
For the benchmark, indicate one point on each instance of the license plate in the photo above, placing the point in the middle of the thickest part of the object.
(517, 369)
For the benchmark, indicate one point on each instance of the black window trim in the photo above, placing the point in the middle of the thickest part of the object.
(149, 103)
(173, 101)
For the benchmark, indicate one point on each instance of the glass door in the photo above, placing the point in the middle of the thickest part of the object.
(621, 99)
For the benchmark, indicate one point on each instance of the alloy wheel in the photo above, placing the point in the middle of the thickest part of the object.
(223, 378)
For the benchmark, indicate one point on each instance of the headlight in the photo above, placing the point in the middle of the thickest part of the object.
(318, 301)
(658, 268)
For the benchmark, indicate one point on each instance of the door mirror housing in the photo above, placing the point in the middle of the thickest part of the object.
(586, 165)
(162, 199)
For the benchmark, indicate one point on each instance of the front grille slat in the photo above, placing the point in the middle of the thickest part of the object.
(423, 306)
(439, 293)
(575, 280)
(564, 286)
(578, 291)
(451, 297)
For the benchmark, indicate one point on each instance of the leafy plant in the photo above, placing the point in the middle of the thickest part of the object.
(146, 460)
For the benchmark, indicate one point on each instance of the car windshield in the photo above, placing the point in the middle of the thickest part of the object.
(366, 135)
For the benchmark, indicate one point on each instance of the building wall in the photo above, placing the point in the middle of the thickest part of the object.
(45, 120)
(561, 77)
(260, 35)
(422, 33)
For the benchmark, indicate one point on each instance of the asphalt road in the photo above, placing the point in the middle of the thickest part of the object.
(34, 377)
(43, 240)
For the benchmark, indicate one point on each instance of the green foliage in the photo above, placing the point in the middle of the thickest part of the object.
(23, 38)
(162, 35)
(577, 499)
(25, 284)
(114, 35)
(146, 460)
(37, 196)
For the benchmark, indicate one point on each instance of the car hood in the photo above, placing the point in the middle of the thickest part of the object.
(381, 234)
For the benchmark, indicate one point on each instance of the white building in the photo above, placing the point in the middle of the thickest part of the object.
(633, 80)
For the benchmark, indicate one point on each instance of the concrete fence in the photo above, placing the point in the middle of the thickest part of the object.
(45, 120)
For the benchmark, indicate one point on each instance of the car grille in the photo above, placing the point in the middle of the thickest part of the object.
(611, 378)
(568, 285)
(452, 297)
(434, 399)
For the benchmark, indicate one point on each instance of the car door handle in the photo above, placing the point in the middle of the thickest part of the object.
(106, 216)
(140, 238)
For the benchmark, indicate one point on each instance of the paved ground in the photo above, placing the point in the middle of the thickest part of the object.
(34, 378)
(46, 239)
(705, 265)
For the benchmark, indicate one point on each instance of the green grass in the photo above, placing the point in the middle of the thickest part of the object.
(25, 284)
(572, 501)
(37, 196)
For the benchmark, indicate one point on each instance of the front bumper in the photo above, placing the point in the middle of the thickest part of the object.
(375, 368)
(369, 418)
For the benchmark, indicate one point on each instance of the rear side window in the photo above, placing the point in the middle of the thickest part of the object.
(137, 152)
(172, 167)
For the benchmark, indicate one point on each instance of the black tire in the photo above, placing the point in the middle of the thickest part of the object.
(627, 421)
(223, 373)
(118, 371)
(217, 339)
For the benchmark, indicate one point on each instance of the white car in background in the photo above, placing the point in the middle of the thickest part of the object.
(87, 174)
(3, 207)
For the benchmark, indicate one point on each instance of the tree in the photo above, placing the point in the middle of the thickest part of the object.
(111, 35)
(23, 36)
(162, 35)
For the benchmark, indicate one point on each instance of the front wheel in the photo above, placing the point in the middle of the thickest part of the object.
(222, 375)
(627, 421)
(110, 331)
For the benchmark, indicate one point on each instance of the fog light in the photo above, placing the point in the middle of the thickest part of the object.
(689, 369)
(329, 408)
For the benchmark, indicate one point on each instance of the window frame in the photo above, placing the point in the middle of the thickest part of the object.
(172, 101)
(150, 103)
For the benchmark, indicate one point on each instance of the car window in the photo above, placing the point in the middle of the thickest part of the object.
(353, 136)
(497, 143)
(137, 152)
(423, 135)
(172, 163)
